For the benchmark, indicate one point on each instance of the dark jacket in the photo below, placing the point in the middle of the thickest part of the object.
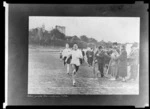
(83, 53)
(122, 64)
(89, 54)
(100, 56)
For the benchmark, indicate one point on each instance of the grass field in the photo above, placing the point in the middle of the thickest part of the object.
(47, 75)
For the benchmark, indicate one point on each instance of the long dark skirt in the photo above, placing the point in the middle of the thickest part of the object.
(122, 69)
(112, 67)
(113, 70)
(134, 71)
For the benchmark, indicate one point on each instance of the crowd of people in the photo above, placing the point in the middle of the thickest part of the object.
(112, 62)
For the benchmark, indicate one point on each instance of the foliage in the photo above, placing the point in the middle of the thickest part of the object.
(56, 34)
(55, 38)
(75, 39)
(84, 38)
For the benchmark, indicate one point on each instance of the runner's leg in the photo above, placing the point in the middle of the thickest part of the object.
(68, 68)
(73, 74)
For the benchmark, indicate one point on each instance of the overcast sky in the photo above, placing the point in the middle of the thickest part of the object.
(119, 29)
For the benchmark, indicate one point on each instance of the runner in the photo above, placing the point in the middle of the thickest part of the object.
(66, 57)
(75, 61)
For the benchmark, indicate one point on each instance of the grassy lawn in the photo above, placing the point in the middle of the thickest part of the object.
(47, 75)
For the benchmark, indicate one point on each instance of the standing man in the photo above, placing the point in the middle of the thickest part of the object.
(107, 59)
(87, 55)
(90, 54)
(100, 60)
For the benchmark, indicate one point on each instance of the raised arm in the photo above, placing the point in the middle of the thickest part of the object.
(68, 55)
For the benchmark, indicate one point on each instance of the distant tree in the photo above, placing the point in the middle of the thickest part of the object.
(32, 32)
(75, 39)
(81, 44)
(115, 43)
(92, 40)
(33, 35)
(68, 38)
(102, 43)
(56, 34)
(92, 45)
(84, 38)
(46, 37)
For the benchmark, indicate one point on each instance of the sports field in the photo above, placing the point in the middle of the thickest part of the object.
(47, 75)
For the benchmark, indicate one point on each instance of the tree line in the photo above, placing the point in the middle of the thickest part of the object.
(37, 36)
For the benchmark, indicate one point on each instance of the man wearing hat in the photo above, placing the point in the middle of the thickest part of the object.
(134, 61)
(99, 55)
(90, 54)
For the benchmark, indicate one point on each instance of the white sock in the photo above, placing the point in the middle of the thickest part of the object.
(67, 68)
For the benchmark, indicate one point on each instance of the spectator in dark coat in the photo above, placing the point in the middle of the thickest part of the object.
(90, 54)
(100, 54)
(122, 64)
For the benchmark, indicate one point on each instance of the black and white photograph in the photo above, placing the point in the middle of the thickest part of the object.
(83, 55)
(76, 54)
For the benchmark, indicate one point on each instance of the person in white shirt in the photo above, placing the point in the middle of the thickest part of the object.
(66, 57)
(76, 55)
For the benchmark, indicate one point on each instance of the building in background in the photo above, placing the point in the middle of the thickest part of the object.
(61, 28)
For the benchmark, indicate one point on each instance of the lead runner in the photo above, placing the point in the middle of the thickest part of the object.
(75, 61)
